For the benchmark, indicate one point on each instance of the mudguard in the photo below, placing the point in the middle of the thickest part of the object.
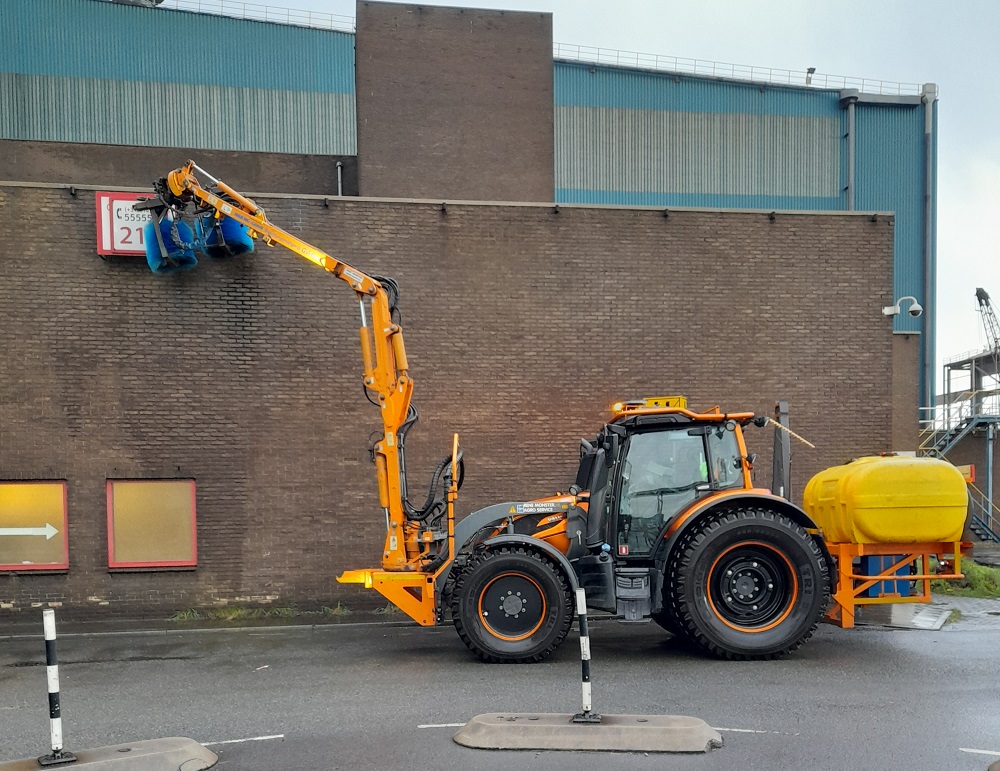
(693, 515)
(468, 526)
(538, 545)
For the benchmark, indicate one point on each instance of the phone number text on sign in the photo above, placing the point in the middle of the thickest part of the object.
(119, 226)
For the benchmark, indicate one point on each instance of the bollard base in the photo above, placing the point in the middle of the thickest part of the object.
(168, 754)
(615, 733)
(57, 758)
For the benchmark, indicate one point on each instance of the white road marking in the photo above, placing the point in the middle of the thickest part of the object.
(730, 730)
(754, 731)
(239, 741)
(743, 730)
(979, 752)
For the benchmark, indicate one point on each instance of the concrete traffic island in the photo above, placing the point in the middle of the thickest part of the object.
(615, 733)
(171, 754)
(588, 730)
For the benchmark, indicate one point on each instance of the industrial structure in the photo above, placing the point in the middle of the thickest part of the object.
(450, 148)
(962, 425)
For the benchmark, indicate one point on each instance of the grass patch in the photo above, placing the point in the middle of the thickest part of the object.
(980, 581)
(240, 613)
(231, 614)
(186, 615)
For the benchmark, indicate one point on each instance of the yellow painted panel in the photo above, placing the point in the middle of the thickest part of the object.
(152, 523)
(32, 525)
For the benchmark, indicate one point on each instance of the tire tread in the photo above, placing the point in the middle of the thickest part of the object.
(680, 568)
(459, 593)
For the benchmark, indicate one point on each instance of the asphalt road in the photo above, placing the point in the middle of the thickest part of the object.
(387, 697)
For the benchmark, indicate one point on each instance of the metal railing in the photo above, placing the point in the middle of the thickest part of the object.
(569, 52)
(960, 407)
(970, 354)
(609, 56)
(986, 514)
(257, 12)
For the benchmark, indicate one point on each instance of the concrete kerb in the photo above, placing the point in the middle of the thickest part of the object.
(615, 733)
(587, 729)
(174, 753)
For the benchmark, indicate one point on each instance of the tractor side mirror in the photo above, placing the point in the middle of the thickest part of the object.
(611, 442)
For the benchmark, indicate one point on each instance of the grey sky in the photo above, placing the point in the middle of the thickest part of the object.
(954, 44)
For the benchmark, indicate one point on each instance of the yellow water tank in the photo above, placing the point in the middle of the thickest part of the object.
(890, 499)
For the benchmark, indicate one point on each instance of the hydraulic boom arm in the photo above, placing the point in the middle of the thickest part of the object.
(386, 374)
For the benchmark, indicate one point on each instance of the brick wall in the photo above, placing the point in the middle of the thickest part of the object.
(454, 103)
(906, 386)
(124, 166)
(522, 325)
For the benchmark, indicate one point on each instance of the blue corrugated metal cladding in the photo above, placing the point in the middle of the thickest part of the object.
(634, 137)
(88, 71)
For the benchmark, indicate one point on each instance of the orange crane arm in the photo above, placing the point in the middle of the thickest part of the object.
(382, 349)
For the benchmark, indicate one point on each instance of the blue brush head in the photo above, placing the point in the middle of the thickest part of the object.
(226, 238)
(179, 257)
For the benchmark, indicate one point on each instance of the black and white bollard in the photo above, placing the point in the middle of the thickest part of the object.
(587, 716)
(59, 755)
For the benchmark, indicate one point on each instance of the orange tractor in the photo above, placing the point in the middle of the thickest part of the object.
(662, 522)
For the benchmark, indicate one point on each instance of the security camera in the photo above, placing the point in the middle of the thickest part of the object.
(915, 309)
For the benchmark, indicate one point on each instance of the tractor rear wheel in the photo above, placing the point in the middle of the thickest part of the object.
(512, 605)
(748, 584)
(665, 620)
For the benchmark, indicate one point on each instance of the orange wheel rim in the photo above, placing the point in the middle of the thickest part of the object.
(740, 578)
(505, 599)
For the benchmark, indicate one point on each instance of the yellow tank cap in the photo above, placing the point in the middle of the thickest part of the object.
(889, 499)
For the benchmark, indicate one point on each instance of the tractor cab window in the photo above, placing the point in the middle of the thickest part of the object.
(660, 476)
(727, 461)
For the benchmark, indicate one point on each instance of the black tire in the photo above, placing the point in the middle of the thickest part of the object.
(533, 606)
(666, 621)
(748, 584)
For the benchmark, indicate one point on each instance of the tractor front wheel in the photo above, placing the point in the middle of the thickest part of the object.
(512, 605)
(747, 584)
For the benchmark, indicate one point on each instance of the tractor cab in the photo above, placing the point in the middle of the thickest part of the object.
(654, 461)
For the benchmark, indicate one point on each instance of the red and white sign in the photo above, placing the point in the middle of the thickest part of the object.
(119, 226)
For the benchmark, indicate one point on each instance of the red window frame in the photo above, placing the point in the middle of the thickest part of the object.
(124, 565)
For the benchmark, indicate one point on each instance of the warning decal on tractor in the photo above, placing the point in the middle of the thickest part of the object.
(550, 507)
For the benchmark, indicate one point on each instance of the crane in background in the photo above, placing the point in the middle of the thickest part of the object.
(991, 324)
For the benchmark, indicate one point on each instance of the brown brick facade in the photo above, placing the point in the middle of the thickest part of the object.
(125, 166)
(906, 385)
(454, 103)
(523, 324)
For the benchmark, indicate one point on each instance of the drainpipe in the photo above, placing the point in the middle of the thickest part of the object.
(930, 95)
(340, 178)
(851, 143)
